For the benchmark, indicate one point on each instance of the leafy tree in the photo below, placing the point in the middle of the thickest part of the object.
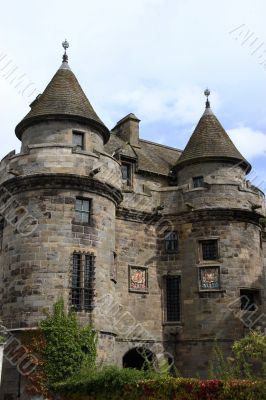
(248, 359)
(252, 349)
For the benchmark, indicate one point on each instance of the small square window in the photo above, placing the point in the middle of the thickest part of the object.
(78, 140)
(209, 278)
(249, 299)
(126, 169)
(171, 242)
(138, 279)
(83, 211)
(198, 181)
(209, 249)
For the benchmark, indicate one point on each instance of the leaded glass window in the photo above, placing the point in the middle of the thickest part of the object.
(172, 298)
(83, 210)
(78, 140)
(209, 278)
(126, 169)
(113, 267)
(198, 181)
(76, 282)
(82, 290)
(209, 249)
(2, 224)
(171, 242)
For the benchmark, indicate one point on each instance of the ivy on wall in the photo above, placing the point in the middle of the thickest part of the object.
(63, 348)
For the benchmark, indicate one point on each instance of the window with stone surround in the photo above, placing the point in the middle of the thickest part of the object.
(209, 278)
(209, 249)
(82, 285)
(171, 242)
(198, 181)
(83, 210)
(172, 298)
(113, 267)
(78, 139)
(126, 169)
(2, 223)
(249, 299)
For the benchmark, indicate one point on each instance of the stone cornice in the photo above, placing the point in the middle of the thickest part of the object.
(63, 181)
(207, 214)
(137, 216)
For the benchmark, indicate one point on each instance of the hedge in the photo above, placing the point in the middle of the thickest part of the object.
(109, 384)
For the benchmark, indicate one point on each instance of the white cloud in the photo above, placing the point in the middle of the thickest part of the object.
(180, 106)
(151, 57)
(251, 143)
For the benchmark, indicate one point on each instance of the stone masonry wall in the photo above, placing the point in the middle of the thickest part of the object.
(36, 269)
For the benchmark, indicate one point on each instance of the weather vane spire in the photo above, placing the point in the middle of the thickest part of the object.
(207, 93)
(65, 45)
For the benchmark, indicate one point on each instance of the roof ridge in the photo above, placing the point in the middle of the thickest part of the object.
(160, 145)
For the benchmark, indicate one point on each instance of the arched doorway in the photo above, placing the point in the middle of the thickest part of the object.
(137, 357)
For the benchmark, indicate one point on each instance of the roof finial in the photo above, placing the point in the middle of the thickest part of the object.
(207, 93)
(65, 45)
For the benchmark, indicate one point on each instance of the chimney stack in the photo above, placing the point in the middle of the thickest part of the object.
(128, 129)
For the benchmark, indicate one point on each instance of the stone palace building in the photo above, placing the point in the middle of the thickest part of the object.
(161, 250)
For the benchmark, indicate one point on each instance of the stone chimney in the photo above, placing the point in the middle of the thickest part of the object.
(128, 129)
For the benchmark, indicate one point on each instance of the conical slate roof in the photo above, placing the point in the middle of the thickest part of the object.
(63, 98)
(210, 141)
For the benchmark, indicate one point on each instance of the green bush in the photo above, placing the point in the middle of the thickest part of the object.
(248, 359)
(107, 378)
(68, 347)
(113, 384)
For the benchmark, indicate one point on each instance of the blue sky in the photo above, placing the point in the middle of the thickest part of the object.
(150, 57)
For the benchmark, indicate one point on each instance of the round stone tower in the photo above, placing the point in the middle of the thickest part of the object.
(223, 287)
(59, 197)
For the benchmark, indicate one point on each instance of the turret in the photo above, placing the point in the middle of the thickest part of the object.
(60, 110)
(210, 153)
(71, 187)
(220, 243)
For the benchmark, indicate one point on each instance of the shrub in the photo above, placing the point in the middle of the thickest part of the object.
(248, 359)
(114, 384)
(252, 349)
(62, 347)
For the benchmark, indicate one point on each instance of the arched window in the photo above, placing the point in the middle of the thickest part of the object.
(171, 242)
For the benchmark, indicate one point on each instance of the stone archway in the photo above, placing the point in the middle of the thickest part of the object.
(136, 358)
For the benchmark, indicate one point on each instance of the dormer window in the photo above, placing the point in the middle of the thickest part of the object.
(126, 169)
(78, 140)
(198, 181)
